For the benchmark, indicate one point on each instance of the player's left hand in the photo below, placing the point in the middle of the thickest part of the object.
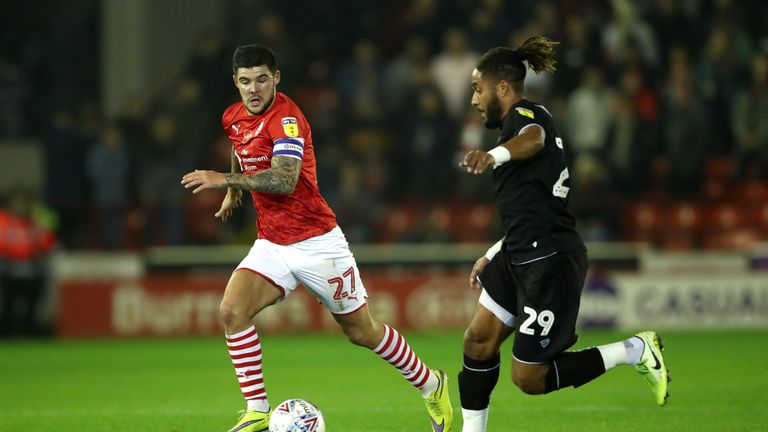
(201, 180)
(477, 161)
(232, 200)
(474, 281)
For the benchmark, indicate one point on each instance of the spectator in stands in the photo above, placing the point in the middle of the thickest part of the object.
(194, 127)
(644, 98)
(108, 167)
(425, 148)
(360, 83)
(401, 74)
(66, 186)
(163, 162)
(13, 92)
(716, 73)
(762, 31)
(644, 48)
(626, 32)
(594, 203)
(205, 65)
(484, 29)
(546, 20)
(629, 147)
(451, 68)
(589, 112)
(422, 18)
(750, 122)
(271, 32)
(671, 27)
(321, 102)
(686, 145)
(24, 246)
(367, 139)
(578, 48)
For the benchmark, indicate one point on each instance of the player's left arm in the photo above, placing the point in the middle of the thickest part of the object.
(233, 198)
(524, 145)
(280, 178)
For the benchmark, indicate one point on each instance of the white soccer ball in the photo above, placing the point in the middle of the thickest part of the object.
(296, 415)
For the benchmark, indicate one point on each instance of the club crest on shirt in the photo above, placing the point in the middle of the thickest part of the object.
(290, 127)
(524, 112)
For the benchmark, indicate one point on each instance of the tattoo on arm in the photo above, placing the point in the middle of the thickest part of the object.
(281, 178)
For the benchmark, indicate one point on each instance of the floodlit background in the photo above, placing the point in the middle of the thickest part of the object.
(662, 106)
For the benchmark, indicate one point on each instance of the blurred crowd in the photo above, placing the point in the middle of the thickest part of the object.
(651, 98)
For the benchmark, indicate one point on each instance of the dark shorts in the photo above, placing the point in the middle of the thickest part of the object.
(540, 298)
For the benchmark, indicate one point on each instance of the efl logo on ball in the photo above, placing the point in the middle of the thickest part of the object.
(296, 415)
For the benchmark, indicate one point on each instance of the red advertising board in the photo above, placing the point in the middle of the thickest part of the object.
(173, 305)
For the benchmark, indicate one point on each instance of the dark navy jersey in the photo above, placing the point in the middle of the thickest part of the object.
(532, 194)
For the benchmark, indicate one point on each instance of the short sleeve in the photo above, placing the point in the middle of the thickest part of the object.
(228, 117)
(522, 118)
(287, 136)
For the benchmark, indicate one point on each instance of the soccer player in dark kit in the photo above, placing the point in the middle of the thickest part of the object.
(531, 280)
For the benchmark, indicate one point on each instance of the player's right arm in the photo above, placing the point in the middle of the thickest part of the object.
(522, 146)
(280, 178)
(474, 282)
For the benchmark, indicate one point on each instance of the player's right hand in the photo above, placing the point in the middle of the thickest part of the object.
(477, 161)
(232, 200)
(474, 282)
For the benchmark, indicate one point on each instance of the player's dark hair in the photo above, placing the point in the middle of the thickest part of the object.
(502, 63)
(248, 56)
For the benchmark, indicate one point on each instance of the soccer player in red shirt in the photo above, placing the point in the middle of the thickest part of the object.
(298, 240)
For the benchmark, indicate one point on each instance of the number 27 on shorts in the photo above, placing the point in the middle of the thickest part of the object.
(344, 290)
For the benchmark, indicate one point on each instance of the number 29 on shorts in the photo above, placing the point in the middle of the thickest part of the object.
(545, 319)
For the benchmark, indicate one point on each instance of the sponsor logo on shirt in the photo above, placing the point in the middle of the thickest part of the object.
(524, 112)
(255, 159)
(290, 126)
(249, 134)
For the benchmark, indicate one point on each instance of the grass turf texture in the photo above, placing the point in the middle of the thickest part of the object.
(719, 384)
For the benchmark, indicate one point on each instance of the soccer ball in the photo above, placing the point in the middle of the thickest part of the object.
(296, 415)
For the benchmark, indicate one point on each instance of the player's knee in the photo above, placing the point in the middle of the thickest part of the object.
(529, 384)
(232, 317)
(478, 345)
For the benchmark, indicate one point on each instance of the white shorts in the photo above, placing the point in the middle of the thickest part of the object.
(323, 264)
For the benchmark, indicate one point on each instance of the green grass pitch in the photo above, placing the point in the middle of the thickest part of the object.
(720, 383)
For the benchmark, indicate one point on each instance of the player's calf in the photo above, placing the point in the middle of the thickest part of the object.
(530, 378)
(366, 335)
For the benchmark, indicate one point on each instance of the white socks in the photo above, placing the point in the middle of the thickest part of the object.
(635, 347)
(627, 352)
(260, 405)
(430, 386)
(474, 420)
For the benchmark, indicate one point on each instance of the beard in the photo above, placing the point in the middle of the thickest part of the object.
(493, 114)
(266, 103)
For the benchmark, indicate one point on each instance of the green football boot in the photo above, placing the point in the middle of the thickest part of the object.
(252, 421)
(439, 405)
(652, 366)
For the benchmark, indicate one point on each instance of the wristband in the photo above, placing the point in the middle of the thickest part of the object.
(494, 250)
(500, 155)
